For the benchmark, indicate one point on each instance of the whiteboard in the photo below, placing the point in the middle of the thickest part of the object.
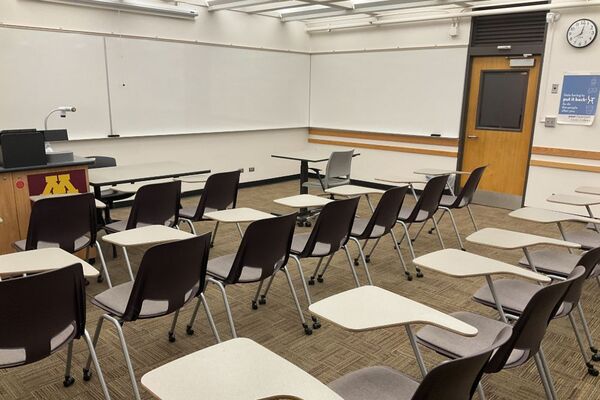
(40, 71)
(408, 92)
(171, 88)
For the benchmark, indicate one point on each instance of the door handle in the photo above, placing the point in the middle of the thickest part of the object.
(472, 137)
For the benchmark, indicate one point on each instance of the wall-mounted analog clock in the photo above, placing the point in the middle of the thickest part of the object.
(582, 33)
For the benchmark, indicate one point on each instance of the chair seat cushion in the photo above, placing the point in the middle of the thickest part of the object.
(115, 301)
(407, 210)
(219, 268)
(80, 243)
(120, 226)
(587, 238)
(553, 261)
(359, 225)
(513, 294)
(299, 243)
(190, 212)
(457, 346)
(375, 383)
(448, 201)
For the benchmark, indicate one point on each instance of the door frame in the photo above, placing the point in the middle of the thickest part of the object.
(515, 51)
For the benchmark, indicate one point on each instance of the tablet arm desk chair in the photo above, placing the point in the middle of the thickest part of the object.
(67, 222)
(454, 380)
(170, 276)
(525, 341)
(108, 195)
(337, 171)
(41, 314)
(514, 295)
(220, 192)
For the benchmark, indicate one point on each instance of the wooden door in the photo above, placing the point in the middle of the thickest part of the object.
(500, 121)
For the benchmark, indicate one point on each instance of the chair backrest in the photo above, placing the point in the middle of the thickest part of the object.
(530, 328)
(264, 249)
(220, 192)
(333, 226)
(339, 164)
(62, 220)
(589, 261)
(458, 379)
(170, 275)
(386, 212)
(102, 162)
(465, 196)
(156, 204)
(430, 197)
(40, 313)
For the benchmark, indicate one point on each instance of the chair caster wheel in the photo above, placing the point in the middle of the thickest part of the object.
(594, 350)
(593, 371)
(307, 330)
(308, 224)
(189, 330)
(596, 357)
(100, 279)
(254, 305)
(92, 261)
(368, 259)
(87, 374)
(311, 282)
(300, 224)
(212, 245)
(320, 279)
(409, 277)
(69, 380)
(419, 274)
(262, 300)
(86, 282)
(463, 249)
(430, 231)
(316, 323)
(172, 337)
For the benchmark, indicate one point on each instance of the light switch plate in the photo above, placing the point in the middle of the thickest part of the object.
(550, 122)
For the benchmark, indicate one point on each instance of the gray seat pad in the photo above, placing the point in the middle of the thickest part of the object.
(359, 225)
(219, 268)
(299, 243)
(375, 383)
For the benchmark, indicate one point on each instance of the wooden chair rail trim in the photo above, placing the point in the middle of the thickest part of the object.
(568, 166)
(442, 153)
(570, 153)
(390, 137)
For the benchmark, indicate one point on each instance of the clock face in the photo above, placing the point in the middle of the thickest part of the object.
(582, 33)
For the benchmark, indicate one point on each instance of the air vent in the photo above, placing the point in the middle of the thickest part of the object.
(509, 29)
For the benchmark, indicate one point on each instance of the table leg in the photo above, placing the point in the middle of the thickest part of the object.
(418, 356)
(370, 204)
(414, 193)
(303, 176)
(490, 283)
(562, 234)
(589, 210)
(128, 263)
(529, 259)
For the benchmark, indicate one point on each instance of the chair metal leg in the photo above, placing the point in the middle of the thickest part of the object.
(437, 230)
(307, 329)
(410, 247)
(190, 327)
(263, 297)
(312, 277)
(320, 276)
(590, 367)
(117, 325)
(103, 262)
(421, 229)
(586, 330)
(128, 263)
(87, 375)
(214, 235)
(480, 391)
(362, 256)
(301, 273)
(90, 345)
(227, 308)
(258, 289)
(472, 217)
(439, 220)
(69, 380)
(189, 223)
(239, 228)
(542, 374)
(462, 247)
(406, 273)
(173, 325)
(548, 374)
(351, 266)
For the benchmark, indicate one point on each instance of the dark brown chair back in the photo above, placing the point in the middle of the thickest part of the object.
(386, 212)
(156, 204)
(39, 309)
(265, 248)
(465, 196)
(171, 273)
(62, 220)
(430, 198)
(220, 192)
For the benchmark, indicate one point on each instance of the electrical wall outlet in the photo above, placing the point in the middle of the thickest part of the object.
(550, 122)
(251, 169)
(555, 87)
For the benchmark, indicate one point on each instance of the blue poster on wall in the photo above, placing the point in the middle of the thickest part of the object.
(579, 99)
